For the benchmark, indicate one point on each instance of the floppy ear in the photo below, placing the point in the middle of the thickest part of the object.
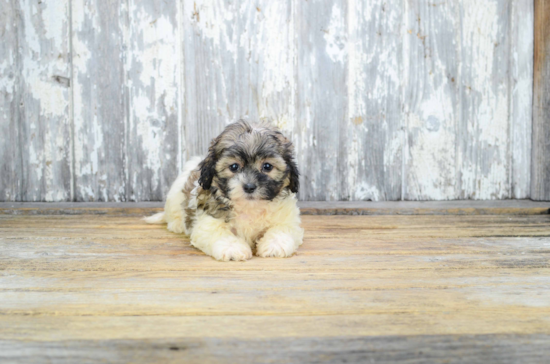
(288, 156)
(207, 167)
(294, 177)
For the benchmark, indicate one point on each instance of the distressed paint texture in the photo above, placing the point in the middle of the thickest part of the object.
(521, 96)
(484, 128)
(322, 38)
(35, 101)
(10, 153)
(374, 127)
(238, 61)
(45, 118)
(100, 96)
(540, 186)
(154, 125)
(431, 100)
(415, 100)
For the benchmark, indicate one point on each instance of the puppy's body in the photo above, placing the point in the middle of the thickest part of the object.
(240, 198)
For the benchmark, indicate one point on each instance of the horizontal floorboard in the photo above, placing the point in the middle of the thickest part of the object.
(460, 207)
(420, 288)
(446, 349)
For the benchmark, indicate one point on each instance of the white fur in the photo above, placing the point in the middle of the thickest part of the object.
(270, 227)
(174, 214)
(155, 219)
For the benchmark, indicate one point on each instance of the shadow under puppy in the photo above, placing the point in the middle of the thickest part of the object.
(240, 198)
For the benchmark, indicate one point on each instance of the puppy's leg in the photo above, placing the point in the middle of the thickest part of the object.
(285, 236)
(280, 241)
(214, 237)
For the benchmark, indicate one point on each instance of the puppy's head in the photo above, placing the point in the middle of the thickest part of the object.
(248, 162)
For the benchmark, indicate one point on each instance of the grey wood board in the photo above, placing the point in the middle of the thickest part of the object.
(45, 123)
(374, 128)
(453, 349)
(506, 207)
(154, 132)
(238, 64)
(10, 69)
(37, 140)
(540, 183)
(384, 101)
(432, 108)
(321, 33)
(100, 94)
(521, 96)
(484, 143)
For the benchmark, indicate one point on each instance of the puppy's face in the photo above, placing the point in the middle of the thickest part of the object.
(250, 163)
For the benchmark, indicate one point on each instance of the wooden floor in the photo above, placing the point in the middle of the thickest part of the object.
(376, 289)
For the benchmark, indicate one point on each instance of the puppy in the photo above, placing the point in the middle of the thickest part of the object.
(239, 199)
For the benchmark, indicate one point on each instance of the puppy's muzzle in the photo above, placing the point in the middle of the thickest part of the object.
(249, 187)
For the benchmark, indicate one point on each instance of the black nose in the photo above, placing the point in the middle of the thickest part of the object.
(249, 187)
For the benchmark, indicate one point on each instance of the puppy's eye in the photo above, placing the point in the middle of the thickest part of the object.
(267, 167)
(234, 167)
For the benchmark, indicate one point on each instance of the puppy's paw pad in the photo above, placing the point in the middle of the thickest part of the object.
(277, 246)
(231, 250)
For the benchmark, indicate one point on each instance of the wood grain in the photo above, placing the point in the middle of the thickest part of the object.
(244, 56)
(452, 349)
(10, 70)
(373, 132)
(321, 32)
(100, 92)
(209, 47)
(432, 100)
(410, 100)
(501, 207)
(540, 180)
(155, 131)
(44, 117)
(521, 91)
(395, 288)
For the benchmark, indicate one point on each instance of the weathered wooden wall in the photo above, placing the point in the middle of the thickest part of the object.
(540, 184)
(414, 100)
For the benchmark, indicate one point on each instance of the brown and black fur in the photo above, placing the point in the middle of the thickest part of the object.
(249, 145)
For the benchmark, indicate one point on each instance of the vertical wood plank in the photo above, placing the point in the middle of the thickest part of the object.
(321, 31)
(209, 52)
(44, 87)
(431, 99)
(374, 130)
(521, 96)
(10, 157)
(484, 130)
(154, 127)
(267, 59)
(100, 99)
(238, 64)
(540, 177)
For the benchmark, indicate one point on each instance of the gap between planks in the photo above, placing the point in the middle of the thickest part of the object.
(462, 207)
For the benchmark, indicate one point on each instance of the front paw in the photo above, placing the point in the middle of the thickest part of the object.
(276, 245)
(231, 248)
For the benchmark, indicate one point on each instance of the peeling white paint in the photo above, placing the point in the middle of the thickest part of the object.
(44, 103)
(55, 27)
(153, 86)
(522, 39)
(366, 192)
(486, 100)
(273, 51)
(407, 125)
(336, 36)
(213, 21)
